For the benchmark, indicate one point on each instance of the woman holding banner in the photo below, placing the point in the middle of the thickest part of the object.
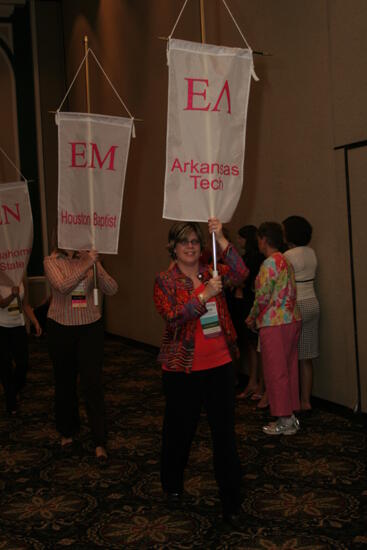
(14, 341)
(196, 356)
(75, 331)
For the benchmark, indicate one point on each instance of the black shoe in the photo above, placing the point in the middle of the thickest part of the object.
(11, 407)
(173, 500)
(101, 455)
(234, 519)
(174, 497)
(102, 459)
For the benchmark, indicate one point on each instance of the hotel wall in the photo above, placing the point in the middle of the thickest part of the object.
(310, 99)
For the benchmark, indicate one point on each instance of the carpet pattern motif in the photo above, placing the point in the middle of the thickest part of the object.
(302, 492)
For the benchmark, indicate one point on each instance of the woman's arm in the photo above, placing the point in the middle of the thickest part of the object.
(106, 283)
(264, 285)
(4, 302)
(236, 271)
(165, 300)
(66, 283)
(28, 310)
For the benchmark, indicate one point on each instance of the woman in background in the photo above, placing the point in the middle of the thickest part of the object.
(242, 299)
(76, 334)
(276, 315)
(298, 233)
(14, 341)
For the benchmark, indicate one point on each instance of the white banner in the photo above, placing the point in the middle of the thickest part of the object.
(206, 129)
(93, 152)
(16, 232)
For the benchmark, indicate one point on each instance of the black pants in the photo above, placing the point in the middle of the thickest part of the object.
(13, 348)
(78, 350)
(185, 395)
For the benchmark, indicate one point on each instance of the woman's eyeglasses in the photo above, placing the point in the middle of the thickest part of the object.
(186, 242)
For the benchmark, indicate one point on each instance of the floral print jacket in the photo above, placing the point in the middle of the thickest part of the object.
(275, 293)
(176, 302)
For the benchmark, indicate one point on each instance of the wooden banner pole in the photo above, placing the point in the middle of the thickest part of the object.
(202, 22)
(87, 94)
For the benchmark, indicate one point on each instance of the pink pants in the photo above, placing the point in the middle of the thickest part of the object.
(279, 356)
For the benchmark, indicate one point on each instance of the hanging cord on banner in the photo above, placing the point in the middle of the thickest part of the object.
(89, 50)
(178, 19)
(114, 89)
(254, 75)
(72, 82)
(255, 52)
(241, 33)
(13, 165)
(237, 25)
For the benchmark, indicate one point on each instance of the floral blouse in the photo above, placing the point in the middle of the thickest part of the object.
(275, 293)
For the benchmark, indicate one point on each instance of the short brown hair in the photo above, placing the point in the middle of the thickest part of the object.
(273, 233)
(179, 231)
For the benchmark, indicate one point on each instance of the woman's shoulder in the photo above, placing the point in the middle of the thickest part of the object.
(275, 259)
(306, 253)
(277, 262)
(295, 252)
(168, 275)
(309, 251)
(299, 254)
(54, 259)
(55, 255)
(300, 251)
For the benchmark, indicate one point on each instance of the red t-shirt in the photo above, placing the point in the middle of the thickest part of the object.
(209, 352)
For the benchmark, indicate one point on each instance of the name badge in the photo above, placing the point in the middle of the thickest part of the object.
(78, 297)
(13, 308)
(210, 321)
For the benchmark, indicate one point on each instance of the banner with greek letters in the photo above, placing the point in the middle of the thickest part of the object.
(93, 152)
(206, 128)
(16, 232)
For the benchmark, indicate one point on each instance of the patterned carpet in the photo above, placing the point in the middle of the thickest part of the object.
(304, 492)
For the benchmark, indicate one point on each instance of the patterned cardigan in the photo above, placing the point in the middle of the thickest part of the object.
(176, 302)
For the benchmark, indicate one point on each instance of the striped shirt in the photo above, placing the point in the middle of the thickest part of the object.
(65, 276)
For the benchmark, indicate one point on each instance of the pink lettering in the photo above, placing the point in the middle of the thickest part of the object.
(204, 183)
(110, 153)
(196, 180)
(191, 93)
(7, 210)
(79, 150)
(176, 164)
(225, 90)
(77, 153)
